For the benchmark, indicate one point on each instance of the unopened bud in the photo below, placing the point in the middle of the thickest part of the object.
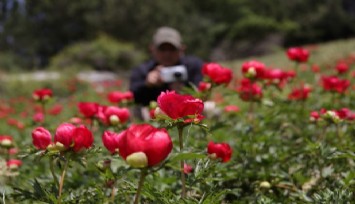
(213, 156)
(251, 73)
(55, 147)
(6, 143)
(46, 98)
(153, 104)
(137, 160)
(265, 184)
(114, 120)
(158, 113)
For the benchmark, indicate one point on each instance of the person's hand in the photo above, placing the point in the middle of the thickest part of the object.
(153, 77)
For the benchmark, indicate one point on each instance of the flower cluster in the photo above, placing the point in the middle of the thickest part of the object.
(67, 137)
(107, 115)
(332, 116)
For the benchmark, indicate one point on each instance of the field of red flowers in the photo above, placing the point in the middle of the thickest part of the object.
(251, 134)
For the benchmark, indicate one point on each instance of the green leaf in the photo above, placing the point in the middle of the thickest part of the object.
(187, 156)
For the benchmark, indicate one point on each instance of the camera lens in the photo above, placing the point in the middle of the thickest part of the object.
(178, 75)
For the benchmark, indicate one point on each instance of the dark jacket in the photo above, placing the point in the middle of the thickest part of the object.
(143, 94)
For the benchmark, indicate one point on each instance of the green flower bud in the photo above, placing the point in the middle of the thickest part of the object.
(137, 160)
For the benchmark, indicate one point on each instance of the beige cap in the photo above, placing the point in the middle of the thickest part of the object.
(167, 35)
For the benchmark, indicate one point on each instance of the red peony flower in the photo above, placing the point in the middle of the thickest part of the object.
(155, 143)
(42, 94)
(300, 93)
(253, 69)
(111, 140)
(114, 115)
(38, 117)
(64, 134)
(6, 141)
(297, 54)
(342, 67)
(187, 168)
(249, 91)
(278, 76)
(315, 68)
(41, 138)
(70, 136)
(217, 73)
(55, 110)
(14, 163)
(88, 109)
(179, 106)
(117, 96)
(231, 108)
(220, 150)
(204, 86)
(82, 138)
(333, 83)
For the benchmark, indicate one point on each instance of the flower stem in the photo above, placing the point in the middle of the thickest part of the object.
(55, 179)
(181, 143)
(113, 194)
(62, 181)
(140, 185)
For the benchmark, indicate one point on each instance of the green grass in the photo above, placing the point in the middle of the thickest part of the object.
(323, 54)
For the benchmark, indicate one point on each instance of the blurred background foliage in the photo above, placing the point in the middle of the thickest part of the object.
(115, 34)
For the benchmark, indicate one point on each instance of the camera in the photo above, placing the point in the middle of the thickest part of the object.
(173, 74)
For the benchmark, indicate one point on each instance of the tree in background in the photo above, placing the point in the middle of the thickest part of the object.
(34, 31)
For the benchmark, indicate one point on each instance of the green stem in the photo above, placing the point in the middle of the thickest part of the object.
(113, 194)
(55, 179)
(181, 143)
(140, 185)
(62, 181)
(44, 110)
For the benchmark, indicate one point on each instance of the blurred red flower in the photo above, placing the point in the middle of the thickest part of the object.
(70, 136)
(38, 117)
(300, 93)
(179, 106)
(249, 91)
(42, 94)
(112, 115)
(204, 86)
(220, 150)
(41, 138)
(13, 163)
(217, 73)
(88, 109)
(333, 83)
(55, 110)
(298, 54)
(231, 108)
(118, 97)
(342, 67)
(253, 69)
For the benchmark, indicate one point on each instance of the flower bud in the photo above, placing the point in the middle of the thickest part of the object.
(7, 143)
(14, 164)
(332, 116)
(158, 113)
(137, 160)
(55, 147)
(251, 73)
(41, 138)
(265, 184)
(114, 120)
